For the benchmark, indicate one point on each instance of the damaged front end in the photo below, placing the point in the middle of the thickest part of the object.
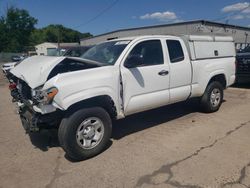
(34, 122)
(35, 106)
(33, 89)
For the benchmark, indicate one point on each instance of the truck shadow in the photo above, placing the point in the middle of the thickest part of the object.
(151, 118)
(47, 139)
(242, 86)
(44, 139)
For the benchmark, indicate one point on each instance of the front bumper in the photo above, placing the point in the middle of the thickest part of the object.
(33, 121)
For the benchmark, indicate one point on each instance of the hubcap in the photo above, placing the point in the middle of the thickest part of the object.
(215, 97)
(90, 133)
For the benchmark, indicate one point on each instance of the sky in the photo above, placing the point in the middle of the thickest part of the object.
(101, 16)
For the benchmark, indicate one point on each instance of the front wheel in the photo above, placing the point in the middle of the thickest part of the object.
(85, 133)
(212, 97)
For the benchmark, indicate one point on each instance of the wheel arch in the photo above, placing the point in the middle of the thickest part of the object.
(221, 78)
(103, 101)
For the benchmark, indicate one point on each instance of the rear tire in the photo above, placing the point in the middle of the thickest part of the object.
(212, 97)
(84, 133)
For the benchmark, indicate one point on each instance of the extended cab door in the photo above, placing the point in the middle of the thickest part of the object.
(145, 86)
(180, 69)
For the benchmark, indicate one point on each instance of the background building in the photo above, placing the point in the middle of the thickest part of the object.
(52, 49)
(241, 34)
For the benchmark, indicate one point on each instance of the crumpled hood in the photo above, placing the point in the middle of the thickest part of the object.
(35, 70)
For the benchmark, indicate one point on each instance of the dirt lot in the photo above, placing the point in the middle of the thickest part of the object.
(174, 146)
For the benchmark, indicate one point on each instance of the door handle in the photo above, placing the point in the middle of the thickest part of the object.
(163, 73)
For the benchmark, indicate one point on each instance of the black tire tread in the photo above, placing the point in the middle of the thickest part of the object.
(205, 104)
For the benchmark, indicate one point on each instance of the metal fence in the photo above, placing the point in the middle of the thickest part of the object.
(6, 57)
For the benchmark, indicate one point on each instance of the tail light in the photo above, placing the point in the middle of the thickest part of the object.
(12, 86)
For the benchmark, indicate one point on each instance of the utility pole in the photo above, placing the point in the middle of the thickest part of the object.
(246, 38)
(58, 40)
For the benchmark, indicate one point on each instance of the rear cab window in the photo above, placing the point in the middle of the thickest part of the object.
(175, 51)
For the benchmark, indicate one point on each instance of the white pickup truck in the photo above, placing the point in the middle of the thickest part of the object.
(81, 96)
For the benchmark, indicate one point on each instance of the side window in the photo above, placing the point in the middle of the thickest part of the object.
(150, 52)
(175, 51)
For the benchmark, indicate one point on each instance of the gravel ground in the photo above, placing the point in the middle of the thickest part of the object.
(174, 146)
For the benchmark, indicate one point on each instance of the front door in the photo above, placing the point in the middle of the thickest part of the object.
(146, 86)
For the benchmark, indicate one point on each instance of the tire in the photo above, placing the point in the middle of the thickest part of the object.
(212, 97)
(84, 133)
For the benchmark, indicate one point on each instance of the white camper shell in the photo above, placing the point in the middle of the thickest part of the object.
(206, 47)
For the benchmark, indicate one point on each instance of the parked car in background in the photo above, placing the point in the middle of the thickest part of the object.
(117, 78)
(71, 52)
(243, 65)
(17, 58)
(76, 51)
(6, 67)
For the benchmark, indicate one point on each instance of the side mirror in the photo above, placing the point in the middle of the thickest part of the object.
(133, 61)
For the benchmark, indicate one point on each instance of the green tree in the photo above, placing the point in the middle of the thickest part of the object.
(57, 33)
(37, 36)
(18, 32)
(3, 35)
(16, 26)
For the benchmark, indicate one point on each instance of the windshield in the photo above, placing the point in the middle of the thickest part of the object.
(106, 53)
(76, 52)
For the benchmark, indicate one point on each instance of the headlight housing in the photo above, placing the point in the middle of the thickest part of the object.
(44, 97)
